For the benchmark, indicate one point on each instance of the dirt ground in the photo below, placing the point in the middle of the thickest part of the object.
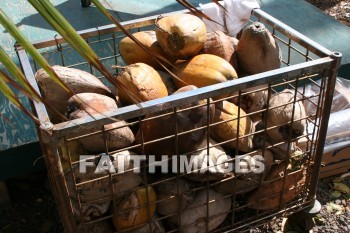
(340, 10)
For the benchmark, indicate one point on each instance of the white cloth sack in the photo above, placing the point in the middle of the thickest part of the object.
(232, 21)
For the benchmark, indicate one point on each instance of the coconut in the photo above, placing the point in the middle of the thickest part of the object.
(253, 99)
(78, 81)
(249, 176)
(227, 111)
(219, 44)
(70, 152)
(135, 209)
(194, 218)
(157, 128)
(85, 104)
(133, 53)
(212, 166)
(167, 80)
(181, 36)
(290, 124)
(257, 50)
(154, 226)
(143, 83)
(90, 211)
(173, 196)
(268, 195)
(96, 189)
(203, 70)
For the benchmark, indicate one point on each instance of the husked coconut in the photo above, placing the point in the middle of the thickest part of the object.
(90, 211)
(70, 152)
(257, 50)
(212, 166)
(181, 36)
(268, 195)
(99, 185)
(85, 104)
(219, 44)
(173, 196)
(288, 114)
(252, 100)
(167, 80)
(165, 126)
(252, 170)
(133, 53)
(281, 151)
(78, 81)
(227, 113)
(143, 83)
(154, 226)
(135, 209)
(203, 70)
(196, 212)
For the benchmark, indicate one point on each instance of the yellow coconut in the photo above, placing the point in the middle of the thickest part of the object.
(181, 35)
(143, 83)
(203, 70)
(135, 209)
(227, 113)
(133, 53)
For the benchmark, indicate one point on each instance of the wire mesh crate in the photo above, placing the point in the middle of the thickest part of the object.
(223, 194)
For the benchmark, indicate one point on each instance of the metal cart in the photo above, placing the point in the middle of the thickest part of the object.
(304, 61)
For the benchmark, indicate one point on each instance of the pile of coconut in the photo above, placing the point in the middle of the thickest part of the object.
(177, 57)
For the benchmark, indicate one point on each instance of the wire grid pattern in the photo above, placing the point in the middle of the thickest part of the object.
(241, 216)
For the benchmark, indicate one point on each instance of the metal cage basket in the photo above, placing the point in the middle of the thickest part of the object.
(139, 196)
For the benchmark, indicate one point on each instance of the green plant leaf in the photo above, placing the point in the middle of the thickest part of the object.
(17, 74)
(27, 45)
(6, 90)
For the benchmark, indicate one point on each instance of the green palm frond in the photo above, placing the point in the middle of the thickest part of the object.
(7, 91)
(27, 45)
(17, 74)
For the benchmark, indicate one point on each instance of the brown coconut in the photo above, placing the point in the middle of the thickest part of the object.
(219, 44)
(133, 53)
(135, 209)
(173, 196)
(90, 211)
(181, 36)
(257, 50)
(123, 180)
(252, 100)
(268, 195)
(203, 70)
(78, 81)
(165, 126)
(167, 80)
(249, 177)
(154, 226)
(143, 83)
(291, 124)
(193, 219)
(85, 104)
(225, 111)
(212, 166)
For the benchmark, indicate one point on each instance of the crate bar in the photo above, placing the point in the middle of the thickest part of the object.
(146, 21)
(128, 112)
(292, 34)
(327, 104)
(28, 72)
